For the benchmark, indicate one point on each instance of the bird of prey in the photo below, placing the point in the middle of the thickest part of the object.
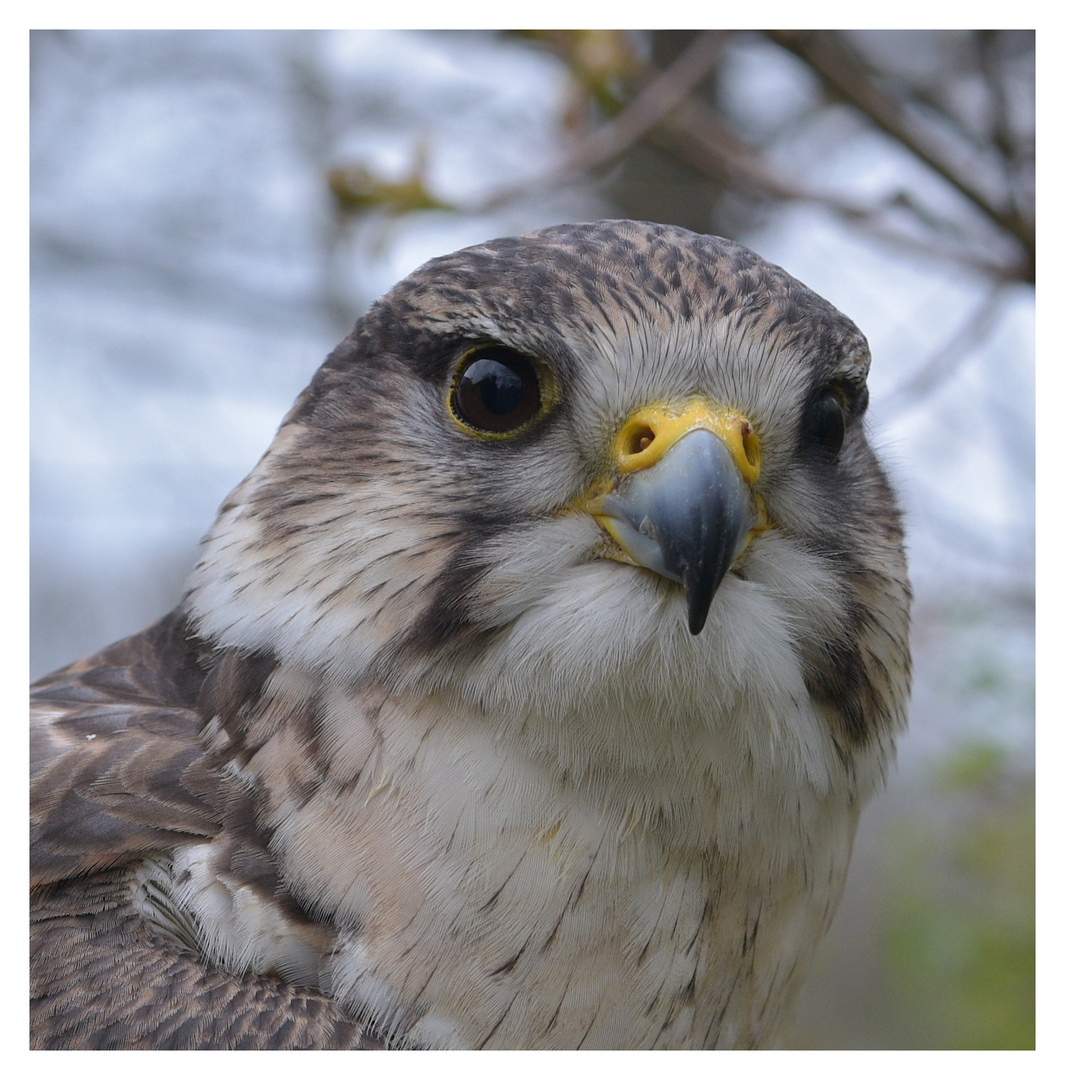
(524, 695)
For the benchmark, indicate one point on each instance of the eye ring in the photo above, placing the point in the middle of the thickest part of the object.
(496, 392)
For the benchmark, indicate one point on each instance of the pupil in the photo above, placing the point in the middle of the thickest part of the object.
(500, 389)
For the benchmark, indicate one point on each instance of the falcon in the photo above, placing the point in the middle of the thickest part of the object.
(525, 694)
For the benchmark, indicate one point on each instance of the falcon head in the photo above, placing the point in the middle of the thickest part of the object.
(531, 683)
(609, 484)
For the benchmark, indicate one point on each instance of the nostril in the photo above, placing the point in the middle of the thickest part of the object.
(639, 439)
(751, 449)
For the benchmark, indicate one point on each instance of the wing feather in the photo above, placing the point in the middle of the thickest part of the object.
(103, 980)
(117, 770)
(118, 773)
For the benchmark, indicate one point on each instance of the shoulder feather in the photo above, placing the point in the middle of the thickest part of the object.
(117, 769)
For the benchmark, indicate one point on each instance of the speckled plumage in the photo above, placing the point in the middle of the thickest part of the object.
(423, 759)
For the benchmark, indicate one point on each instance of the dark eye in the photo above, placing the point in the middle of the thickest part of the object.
(824, 424)
(497, 390)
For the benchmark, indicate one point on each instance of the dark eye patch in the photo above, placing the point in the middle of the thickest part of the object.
(824, 423)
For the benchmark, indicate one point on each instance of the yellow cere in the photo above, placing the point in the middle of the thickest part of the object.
(650, 432)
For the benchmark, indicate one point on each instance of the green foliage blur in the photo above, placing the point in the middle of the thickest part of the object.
(959, 933)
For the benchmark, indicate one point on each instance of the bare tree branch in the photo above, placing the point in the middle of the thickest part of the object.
(695, 133)
(948, 357)
(844, 73)
(661, 94)
(664, 109)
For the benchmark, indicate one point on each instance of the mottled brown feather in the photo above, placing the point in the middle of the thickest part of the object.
(102, 980)
(117, 770)
(118, 773)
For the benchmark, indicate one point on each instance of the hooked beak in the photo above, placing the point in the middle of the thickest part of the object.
(684, 506)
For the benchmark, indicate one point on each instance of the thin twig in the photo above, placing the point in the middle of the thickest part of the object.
(695, 134)
(666, 113)
(661, 92)
(839, 69)
(947, 358)
(659, 96)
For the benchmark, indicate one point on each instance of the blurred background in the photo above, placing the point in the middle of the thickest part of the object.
(212, 210)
